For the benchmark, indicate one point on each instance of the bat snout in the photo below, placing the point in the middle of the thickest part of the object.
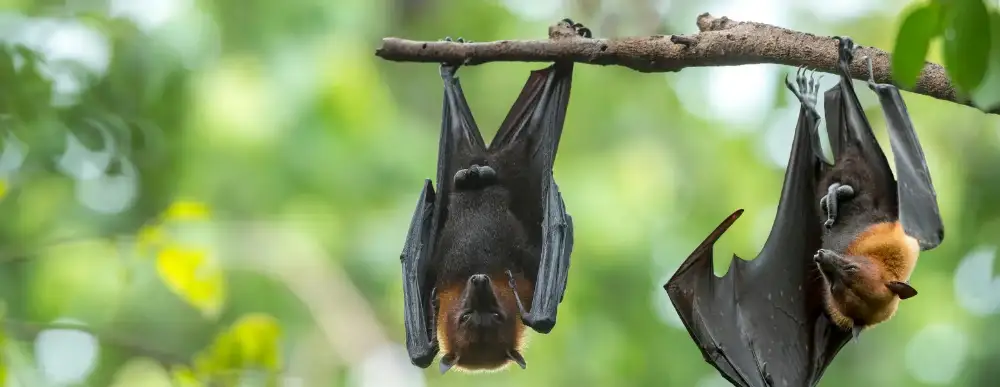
(479, 295)
(479, 280)
(827, 263)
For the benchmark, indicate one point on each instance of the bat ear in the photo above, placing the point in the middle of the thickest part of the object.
(447, 361)
(514, 355)
(902, 289)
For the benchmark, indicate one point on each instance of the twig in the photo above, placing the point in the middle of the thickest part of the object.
(721, 42)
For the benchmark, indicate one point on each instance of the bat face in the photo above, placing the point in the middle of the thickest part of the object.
(857, 288)
(479, 326)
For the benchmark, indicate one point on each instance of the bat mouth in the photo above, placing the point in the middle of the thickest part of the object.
(479, 298)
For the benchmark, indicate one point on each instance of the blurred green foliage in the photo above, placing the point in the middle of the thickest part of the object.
(970, 30)
(277, 162)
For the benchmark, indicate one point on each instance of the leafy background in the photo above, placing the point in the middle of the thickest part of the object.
(194, 189)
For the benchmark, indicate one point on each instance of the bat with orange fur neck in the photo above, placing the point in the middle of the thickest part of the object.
(841, 249)
(875, 226)
(488, 253)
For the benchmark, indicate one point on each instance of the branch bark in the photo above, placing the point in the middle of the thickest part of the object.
(721, 42)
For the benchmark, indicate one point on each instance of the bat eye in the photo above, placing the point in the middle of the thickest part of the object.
(496, 316)
(464, 318)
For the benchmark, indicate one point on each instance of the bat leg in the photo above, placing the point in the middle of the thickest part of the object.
(517, 297)
(835, 193)
(871, 72)
(475, 177)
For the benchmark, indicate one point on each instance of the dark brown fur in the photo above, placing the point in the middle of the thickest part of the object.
(488, 214)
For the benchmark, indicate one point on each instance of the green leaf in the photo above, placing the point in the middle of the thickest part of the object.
(967, 42)
(251, 343)
(987, 96)
(194, 274)
(184, 377)
(914, 37)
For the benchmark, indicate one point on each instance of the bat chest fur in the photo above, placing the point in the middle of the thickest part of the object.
(883, 253)
(892, 252)
(481, 235)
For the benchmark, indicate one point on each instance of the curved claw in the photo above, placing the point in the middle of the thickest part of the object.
(830, 202)
(580, 29)
(449, 68)
(806, 91)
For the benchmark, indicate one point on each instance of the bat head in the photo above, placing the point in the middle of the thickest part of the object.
(479, 327)
(859, 287)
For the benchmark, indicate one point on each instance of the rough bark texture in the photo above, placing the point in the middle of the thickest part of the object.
(721, 42)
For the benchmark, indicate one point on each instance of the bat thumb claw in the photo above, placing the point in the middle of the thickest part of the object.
(856, 333)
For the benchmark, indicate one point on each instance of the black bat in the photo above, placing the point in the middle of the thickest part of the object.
(495, 231)
(766, 322)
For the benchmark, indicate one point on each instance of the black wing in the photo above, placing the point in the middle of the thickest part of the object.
(460, 142)
(762, 324)
(534, 125)
(918, 207)
(415, 258)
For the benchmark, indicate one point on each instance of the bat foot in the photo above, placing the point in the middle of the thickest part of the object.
(581, 30)
(846, 54)
(449, 68)
(836, 193)
(475, 177)
(807, 89)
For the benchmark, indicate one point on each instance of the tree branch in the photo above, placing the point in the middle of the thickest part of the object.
(721, 42)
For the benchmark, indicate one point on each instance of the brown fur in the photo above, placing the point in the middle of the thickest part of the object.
(482, 352)
(883, 254)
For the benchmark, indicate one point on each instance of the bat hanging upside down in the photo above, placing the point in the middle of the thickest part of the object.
(841, 249)
(488, 253)
(874, 227)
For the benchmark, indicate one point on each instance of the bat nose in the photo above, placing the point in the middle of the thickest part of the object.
(480, 293)
(479, 279)
(827, 265)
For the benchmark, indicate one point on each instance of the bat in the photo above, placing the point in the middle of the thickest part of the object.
(767, 321)
(488, 252)
(875, 227)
